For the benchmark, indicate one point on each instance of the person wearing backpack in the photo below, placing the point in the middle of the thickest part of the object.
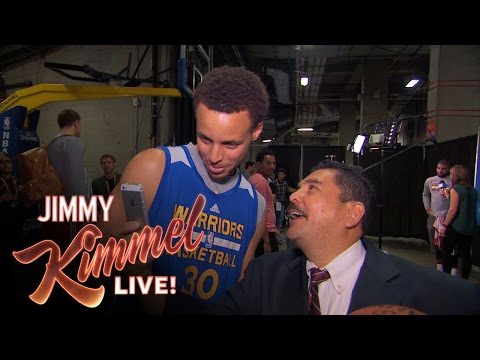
(67, 155)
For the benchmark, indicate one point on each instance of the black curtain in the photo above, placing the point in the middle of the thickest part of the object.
(312, 155)
(185, 129)
(288, 158)
(399, 197)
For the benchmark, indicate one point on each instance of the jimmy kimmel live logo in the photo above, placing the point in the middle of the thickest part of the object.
(97, 256)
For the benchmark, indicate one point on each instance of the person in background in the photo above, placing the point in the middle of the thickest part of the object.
(335, 270)
(264, 168)
(8, 182)
(104, 185)
(436, 205)
(249, 169)
(11, 216)
(460, 222)
(11, 210)
(282, 190)
(66, 154)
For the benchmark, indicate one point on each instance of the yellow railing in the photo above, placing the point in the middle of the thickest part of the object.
(38, 95)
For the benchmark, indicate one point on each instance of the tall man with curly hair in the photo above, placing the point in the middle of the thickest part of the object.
(230, 105)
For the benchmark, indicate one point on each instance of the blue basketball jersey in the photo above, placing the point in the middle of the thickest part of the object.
(228, 221)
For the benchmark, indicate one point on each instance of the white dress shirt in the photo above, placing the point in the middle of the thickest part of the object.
(335, 293)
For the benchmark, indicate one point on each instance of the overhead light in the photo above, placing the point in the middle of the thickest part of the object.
(305, 129)
(267, 140)
(412, 83)
(304, 81)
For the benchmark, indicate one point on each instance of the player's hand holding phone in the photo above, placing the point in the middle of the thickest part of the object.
(137, 218)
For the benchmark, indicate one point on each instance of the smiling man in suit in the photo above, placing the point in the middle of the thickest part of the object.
(334, 270)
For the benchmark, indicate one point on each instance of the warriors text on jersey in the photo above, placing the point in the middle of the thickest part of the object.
(228, 222)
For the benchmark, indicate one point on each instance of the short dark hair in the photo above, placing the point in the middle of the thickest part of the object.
(67, 117)
(107, 156)
(228, 89)
(445, 162)
(281, 170)
(261, 155)
(354, 186)
(248, 164)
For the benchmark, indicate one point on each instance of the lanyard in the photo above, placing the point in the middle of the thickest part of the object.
(114, 181)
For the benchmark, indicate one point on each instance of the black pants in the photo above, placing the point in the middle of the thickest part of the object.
(273, 244)
(462, 245)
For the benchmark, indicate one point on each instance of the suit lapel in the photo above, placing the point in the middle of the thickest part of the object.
(293, 294)
(376, 283)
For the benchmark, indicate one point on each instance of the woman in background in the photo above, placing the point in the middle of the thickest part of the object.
(460, 222)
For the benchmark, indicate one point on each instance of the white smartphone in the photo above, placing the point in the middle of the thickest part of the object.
(134, 203)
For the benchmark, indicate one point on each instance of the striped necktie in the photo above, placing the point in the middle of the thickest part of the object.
(316, 277)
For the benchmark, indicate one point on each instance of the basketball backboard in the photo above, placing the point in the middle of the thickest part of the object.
(193, 64)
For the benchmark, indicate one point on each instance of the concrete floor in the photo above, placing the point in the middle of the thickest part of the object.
(416, 250)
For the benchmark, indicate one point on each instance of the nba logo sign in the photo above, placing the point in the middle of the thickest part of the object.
(6, 123)
(210, 238)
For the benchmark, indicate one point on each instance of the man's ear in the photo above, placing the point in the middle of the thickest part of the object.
(257, 131)
(355, 213)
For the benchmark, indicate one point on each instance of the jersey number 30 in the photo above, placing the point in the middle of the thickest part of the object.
(196, 283)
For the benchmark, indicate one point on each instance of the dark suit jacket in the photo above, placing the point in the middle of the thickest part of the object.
(277, 284)
(99, 185)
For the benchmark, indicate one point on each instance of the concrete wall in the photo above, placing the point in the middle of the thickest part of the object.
(457, 67)
(109, 125)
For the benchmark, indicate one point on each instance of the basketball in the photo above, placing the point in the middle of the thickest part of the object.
(386, 310)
